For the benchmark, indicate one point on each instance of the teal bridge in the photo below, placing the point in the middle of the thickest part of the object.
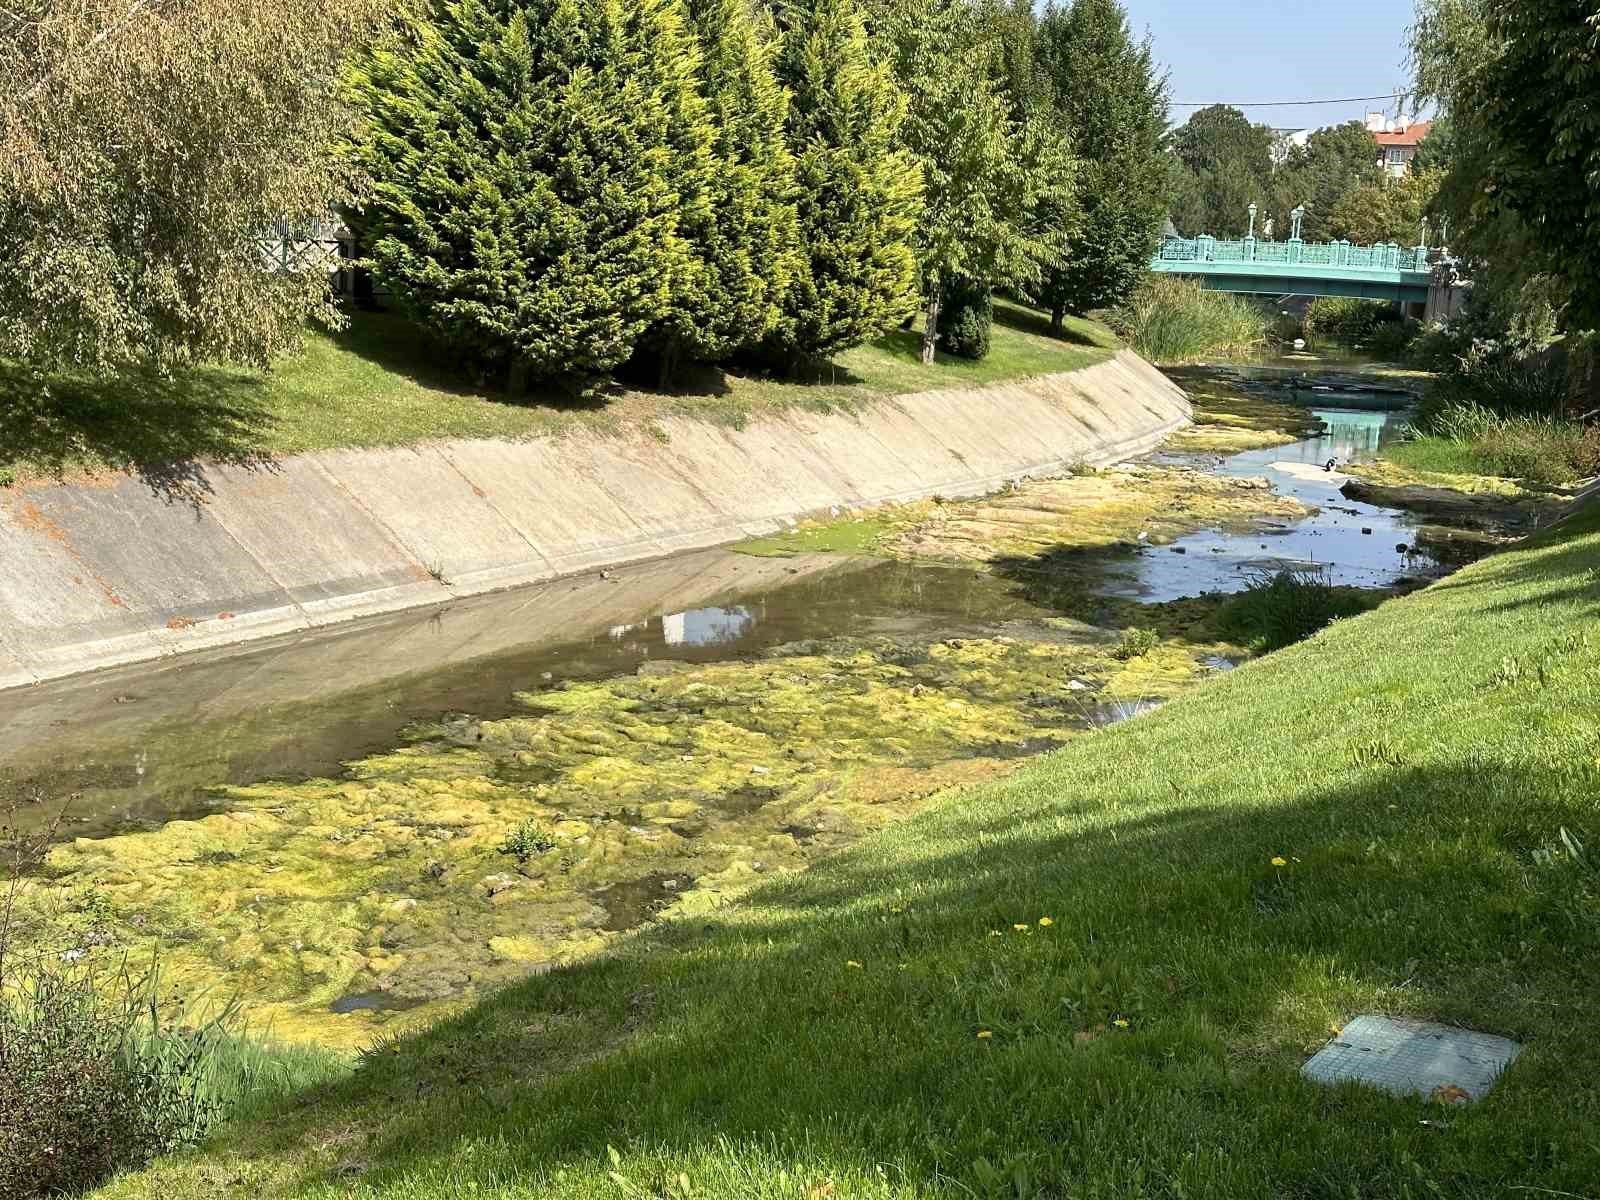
(1299, 268)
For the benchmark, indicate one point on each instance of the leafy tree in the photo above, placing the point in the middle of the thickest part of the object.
(745, 237)
(1333, 163)
(986, 174)
(966, 318)
(144, 148)
(858, 192)
(1114, 101)
(1387, 210)
(529, 159)
(1229, 164)
(1516, 83)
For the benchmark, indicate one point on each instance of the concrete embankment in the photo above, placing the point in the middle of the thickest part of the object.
(111, 571)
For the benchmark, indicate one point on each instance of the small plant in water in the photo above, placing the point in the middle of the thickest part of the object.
(1136, 643)
(527, 840)
(1281, 608)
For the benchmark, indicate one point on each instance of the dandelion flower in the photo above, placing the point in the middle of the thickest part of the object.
(1045, 922)
(1279, 861)
(854, 964)
(1121, 1022)
(1020, 928)
(984, 1035)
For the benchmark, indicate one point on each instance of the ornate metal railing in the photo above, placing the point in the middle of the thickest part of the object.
(1389, 256)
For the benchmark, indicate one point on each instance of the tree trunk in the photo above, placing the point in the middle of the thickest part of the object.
(930, 324)
(1058, 320)
(517, 378)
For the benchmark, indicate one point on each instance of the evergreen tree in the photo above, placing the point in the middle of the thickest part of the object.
(1333, 163)
(1229, 161)
(1114, 101)
(966, 318)
(529, 160)
(746, 237)
(987, 175)
(858, 194)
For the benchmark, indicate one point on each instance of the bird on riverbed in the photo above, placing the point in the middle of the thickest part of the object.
(1330, 465)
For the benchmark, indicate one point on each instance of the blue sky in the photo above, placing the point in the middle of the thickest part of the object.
(1279, 50)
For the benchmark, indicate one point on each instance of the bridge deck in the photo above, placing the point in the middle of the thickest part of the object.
(1386, 272)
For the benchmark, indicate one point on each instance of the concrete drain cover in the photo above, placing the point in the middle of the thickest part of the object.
(1414, 1058)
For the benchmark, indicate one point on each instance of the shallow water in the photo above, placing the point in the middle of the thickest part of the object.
(1349, 543)
(320, 823)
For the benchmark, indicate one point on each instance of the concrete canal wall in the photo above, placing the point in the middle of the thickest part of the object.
(108, 571)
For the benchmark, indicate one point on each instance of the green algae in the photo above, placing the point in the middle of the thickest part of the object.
(337, 907)
(856, 534)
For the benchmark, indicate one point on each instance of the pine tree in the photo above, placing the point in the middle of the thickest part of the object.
(1115, 104)
(528, 159)
(858, 194)
(745, 237)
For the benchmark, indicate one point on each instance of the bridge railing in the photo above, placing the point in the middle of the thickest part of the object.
(1388, 256)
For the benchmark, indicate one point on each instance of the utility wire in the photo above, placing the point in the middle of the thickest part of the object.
(1277, 103)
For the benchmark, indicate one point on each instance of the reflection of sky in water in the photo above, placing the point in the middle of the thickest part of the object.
(706, 626)
(1354, 543)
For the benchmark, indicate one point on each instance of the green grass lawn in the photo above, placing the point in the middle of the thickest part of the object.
(1096, 978)
(378, 383)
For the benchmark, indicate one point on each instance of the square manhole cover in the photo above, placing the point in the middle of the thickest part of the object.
(1413, 1058)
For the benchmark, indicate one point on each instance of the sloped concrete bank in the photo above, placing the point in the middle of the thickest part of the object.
(104, 572)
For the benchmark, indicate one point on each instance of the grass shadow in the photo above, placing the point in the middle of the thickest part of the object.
(159, 429)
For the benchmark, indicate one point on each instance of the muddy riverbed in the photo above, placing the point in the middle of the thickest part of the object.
(360, 831)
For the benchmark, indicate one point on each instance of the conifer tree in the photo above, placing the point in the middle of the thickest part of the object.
(858, 193)
(1114, 102)
(532, 161)
(745, 238)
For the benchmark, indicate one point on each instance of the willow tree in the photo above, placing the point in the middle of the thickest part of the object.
(857, 191)
(144, 148)
(986, 174)
(534, 163)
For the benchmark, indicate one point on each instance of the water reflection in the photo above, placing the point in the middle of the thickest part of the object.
(706, 626)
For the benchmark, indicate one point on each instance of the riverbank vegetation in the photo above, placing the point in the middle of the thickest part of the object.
(378, 383)
(1173, 320)
(1058, 981)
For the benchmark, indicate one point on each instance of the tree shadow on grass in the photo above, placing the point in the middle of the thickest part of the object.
(160, 429)
(831, 1025)
(1026, 319)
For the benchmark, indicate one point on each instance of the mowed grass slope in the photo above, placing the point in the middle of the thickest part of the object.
(1089, 979)
(380, 383)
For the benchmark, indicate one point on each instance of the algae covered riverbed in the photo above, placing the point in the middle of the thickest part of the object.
(360, 832)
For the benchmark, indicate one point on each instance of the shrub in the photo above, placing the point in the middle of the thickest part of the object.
(1172, 320)
(1373, 325)
(1136, 643)
(527, 840)
(1470, 437)
(1281, 608)
(93, 1079)
(966, 319)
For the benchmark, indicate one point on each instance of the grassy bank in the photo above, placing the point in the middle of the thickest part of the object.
(378, 384)
(1095, 978)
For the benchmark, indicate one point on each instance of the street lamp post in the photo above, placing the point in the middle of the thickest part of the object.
(1250, 238)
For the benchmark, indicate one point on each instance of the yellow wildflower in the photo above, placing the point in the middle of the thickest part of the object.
(984, 1035)
(1121, 1022)
(994, 933)
(853, 963)
(1020, 928)
(1045, 922)
(1279, 861)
